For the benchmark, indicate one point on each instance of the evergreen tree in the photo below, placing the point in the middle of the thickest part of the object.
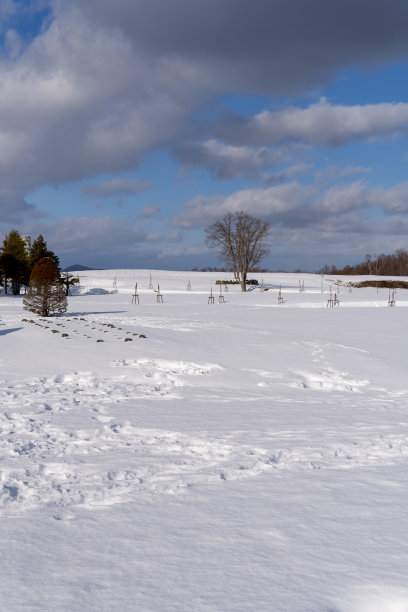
(13, 244)
(45, 295)
(39, 250)
(16, 268)
(9, 269)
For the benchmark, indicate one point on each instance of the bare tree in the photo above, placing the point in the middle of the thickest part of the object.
(240, 241)
(368, 261)
(69, 281)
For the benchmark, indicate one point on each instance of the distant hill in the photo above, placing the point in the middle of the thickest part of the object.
(77, 267)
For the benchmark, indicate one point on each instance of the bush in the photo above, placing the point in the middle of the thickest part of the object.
(250, 281)
(380, 284)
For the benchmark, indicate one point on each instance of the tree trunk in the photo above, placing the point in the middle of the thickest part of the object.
(15, 287)
(242, 281)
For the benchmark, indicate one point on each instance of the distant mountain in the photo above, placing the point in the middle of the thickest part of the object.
(77, 267)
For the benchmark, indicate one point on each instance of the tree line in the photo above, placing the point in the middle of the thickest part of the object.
(36, 269)
(18, 259)
(394, 264)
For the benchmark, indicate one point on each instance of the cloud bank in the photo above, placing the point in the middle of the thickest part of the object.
(101, 84)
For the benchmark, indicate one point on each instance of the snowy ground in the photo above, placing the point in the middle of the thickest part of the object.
(243, 456)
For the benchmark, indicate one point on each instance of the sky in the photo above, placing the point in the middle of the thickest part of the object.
(127, 127)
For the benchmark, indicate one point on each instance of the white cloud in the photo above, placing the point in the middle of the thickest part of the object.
(13, 44)
(338, 226)
(393, 199)
(86, 235)
(321, 124)
(108, 82)
(342, 198)
(182, 251)
(298, 211)
(273, 201)
(149, 211)
(81, 101)
(164, 237)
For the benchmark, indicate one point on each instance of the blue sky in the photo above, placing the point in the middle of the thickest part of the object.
(127, 127)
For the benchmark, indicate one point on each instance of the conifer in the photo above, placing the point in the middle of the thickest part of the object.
(14, 262)
(39, 250)
(45, 295)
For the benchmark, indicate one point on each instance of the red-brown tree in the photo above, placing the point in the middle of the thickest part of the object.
(45, 295)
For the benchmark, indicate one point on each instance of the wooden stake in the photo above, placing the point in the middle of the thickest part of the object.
(135, 296)
(159, 297)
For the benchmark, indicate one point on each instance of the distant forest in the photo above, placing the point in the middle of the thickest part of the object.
(395, 264)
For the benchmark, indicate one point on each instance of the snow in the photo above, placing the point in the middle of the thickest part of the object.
(245, 455)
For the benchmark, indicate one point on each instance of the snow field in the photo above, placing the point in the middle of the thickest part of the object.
(237, 456)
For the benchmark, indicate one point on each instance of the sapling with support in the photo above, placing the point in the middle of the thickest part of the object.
(221, 297)
(391, 297)
(135, 296)
(188, 286)
(333, 299)
(159, 295)
(211, 297)
(330, 300)
(280, 297)
(150, 281)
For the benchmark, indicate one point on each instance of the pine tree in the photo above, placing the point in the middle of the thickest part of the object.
(13, 244)
(39, 250)
(10, 269)
(45, 295)
(17, 268)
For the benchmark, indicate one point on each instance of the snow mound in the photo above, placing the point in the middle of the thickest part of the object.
(328, 379)
(168, 366)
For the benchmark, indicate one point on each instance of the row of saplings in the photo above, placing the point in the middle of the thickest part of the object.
(46, 294)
